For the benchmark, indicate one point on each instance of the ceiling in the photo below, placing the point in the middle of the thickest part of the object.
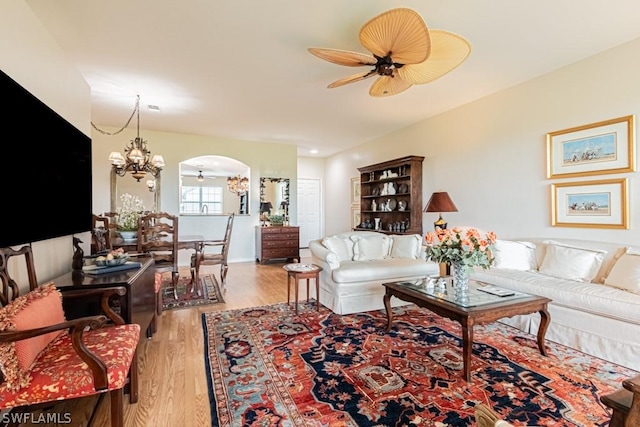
(240, 69)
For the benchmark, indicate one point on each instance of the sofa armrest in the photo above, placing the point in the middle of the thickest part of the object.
(323, 255)
(423, 253)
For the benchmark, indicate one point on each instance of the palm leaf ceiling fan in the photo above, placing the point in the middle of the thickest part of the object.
(404, 52)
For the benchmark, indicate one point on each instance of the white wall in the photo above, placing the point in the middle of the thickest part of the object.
(490, 155)
(30, 56)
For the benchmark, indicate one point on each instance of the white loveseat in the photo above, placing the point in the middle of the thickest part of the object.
(594, 288)
(356, 264)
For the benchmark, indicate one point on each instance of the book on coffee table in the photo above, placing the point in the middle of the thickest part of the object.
(494, 290)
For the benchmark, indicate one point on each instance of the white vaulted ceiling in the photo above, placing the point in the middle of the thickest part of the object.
(240, 69)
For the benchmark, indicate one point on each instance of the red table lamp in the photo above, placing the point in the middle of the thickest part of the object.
(440, 202)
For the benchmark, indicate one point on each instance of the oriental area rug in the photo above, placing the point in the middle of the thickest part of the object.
(268, 366)
(208, 283)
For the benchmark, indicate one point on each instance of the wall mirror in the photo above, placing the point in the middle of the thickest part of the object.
(147, 189)
(214, 185)
(274, 196)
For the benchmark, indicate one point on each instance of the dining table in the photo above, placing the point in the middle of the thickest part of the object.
(187, 241)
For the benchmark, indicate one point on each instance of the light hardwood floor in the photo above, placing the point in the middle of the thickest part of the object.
(172, 384)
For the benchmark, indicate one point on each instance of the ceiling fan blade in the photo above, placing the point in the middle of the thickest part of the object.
(343, 57)
(448, 50)
(388, 85)
(401, 32)
(351, 79)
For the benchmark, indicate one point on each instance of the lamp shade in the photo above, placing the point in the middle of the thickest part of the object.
(265, 207)
(440, 202)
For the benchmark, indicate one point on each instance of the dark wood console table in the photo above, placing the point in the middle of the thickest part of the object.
(277, 242)
(138, 305)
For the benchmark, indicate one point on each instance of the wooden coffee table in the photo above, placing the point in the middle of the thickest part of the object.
(488, 309)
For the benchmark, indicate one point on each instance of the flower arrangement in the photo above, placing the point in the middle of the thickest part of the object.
(128, 213)
(465, 248)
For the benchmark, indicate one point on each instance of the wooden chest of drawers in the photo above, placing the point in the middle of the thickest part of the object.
(277, 243)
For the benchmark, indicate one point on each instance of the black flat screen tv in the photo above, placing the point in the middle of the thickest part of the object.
(46, 172)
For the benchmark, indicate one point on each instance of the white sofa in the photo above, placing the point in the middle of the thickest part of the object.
(594, 288)
(355, 265)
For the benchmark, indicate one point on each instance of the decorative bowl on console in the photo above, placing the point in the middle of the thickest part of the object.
(115, 257)
(276, 220)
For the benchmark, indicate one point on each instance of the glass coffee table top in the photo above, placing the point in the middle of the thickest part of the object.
(478, 293)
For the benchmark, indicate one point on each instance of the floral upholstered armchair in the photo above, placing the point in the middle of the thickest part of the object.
(45, 358)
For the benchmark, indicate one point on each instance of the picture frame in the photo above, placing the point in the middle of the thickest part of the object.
(355, 191)
(591, 204)
(355, 217)
(598, 148)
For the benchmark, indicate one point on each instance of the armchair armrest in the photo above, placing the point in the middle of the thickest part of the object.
(76, 328)
(105, 294)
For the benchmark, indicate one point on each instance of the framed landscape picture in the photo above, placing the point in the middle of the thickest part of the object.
(355, 191)
(592, 204)
(598, 148)
(355, 216)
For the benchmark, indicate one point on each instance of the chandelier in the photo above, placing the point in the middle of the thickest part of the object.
(137, 158)
(238, 185)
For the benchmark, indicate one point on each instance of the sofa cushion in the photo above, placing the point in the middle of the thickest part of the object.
(406, 246)
(625, 273)
(571, 262)
(386, 269)
(598, 299)
(38, 308)
(514, 255)
(341, 246)
(372, 247)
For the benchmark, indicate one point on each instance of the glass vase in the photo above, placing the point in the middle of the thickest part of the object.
(460, 275)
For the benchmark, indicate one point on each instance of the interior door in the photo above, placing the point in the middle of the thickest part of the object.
(309, 210)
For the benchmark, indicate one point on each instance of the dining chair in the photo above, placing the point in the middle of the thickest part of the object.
(213, 252)
(158, 236)
(10, 288)
(47, 358)
(100, 234)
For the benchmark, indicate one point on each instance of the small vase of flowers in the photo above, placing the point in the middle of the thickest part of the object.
(127, 215)
(462, 249)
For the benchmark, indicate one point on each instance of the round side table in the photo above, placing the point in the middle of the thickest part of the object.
(301, 271)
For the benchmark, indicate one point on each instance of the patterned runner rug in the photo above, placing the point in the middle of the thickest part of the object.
(268, 366)
(211, 293)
